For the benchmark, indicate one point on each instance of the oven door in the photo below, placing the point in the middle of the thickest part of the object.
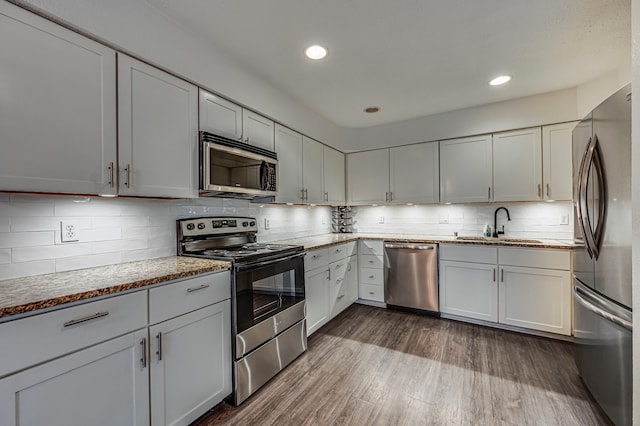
(264, 289)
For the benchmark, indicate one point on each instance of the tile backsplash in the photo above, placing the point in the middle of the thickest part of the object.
(116, 230)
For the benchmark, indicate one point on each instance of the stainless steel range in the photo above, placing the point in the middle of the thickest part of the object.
(268, 302)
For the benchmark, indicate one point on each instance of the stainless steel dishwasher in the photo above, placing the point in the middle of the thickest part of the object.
(411, 276)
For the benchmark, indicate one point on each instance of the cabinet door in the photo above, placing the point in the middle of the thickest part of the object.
(368, 177)
(536, 298)
(289, 148)
(465, 170)
(557, 172)
(517, 165)
(414, 175)
(351, 280)
(469, 290)
(334, 184)
(158, 132)
(190, 362)
(312, 170)
(219, 116)
(57, 108)
(106, 384)
(317, 295)
(257, 130)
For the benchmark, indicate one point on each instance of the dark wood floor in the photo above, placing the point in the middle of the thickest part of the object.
(370, 366)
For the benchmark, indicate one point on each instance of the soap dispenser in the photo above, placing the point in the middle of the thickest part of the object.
(486, 231)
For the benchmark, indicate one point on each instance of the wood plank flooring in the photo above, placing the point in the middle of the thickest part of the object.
(371, 366)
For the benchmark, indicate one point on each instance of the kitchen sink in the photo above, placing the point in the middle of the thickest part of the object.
(499, 239)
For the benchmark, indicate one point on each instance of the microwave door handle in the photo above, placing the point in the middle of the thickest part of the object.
(602, 197)
(581, 204)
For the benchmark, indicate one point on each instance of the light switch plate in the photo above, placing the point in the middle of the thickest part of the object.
(444, 218)
(381, 219)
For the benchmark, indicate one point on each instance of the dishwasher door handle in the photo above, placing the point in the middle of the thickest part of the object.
(408, 246)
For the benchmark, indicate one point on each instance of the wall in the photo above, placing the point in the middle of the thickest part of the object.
(592, 93)
(528, 220)
(116, 230)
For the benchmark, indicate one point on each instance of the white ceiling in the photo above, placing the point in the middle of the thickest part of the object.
(413, 57)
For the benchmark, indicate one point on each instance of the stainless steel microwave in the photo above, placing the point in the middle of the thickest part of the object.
(234, 169)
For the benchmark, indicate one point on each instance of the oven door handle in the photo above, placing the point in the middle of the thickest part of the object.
(246, 266)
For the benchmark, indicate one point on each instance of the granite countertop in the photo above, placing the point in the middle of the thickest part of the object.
(28, 294)
(326, 240)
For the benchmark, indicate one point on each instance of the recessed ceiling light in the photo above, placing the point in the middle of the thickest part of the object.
(502, 79)
(315, 52)
(372, 109)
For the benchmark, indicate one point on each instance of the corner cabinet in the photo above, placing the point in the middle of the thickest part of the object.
(158, 132)
(466, 170)
(58, 108)
(334, 179)
(414, 173)
(368, 177)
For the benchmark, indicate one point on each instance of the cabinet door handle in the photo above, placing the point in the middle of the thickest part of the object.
(329, 274)
(85, 319)
(348, 266)
(386, 197)
(494, 275)
(502, 275)
(306, 193)
(127, 176)
(326, 196)
(159, 342)
(390, 196)
(246, 139)
(110, 169)
(200, 287)
(143, 352)
(548, 190)
(539, 191)
(302, 194)
(489, 193)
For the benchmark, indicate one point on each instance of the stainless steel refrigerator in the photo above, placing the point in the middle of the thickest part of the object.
(602, 256)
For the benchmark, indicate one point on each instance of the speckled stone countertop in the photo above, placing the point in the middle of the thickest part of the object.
(28, 294)
(326, 240)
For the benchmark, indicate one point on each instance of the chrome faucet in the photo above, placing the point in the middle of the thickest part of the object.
(495, 221)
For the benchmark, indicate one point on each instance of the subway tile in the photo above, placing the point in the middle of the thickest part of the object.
(90, 207)
(5, 256)
(26, 269)
(28, 254)
(19, 209)
(5, 224)
(151, 253)
(98, 222)
(118, 246)
(89, 261)
(25, 239)
(4, 197)
(28, 224)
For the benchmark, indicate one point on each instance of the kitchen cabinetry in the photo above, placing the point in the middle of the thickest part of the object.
(107, 380)
(522, 287)
(333, 173)
(517, 165)
(158, 132)
(58, 108)
(317, 289)
(288, 145)
(185, 381)
(312, 171)
(343, 276)
(370, 274)
(368, 177)
(414, 175)
(466, 170)
(222, 117)
(557, 164)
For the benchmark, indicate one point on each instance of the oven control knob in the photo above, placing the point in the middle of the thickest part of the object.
(190, 226)
(252, 223)
(201, 226)
(245, 224)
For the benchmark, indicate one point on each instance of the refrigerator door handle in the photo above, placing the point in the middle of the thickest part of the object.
(580, 295)
(581, 204)
(602, 197)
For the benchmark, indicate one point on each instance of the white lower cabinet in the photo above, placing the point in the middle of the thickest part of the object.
(317, 296)
(344, 284)
(370, 273)
(106, 384)
(522, 287)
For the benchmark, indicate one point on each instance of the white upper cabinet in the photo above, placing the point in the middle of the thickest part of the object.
(158, 132)
(257, 130)
(517, 165)
(289, 148)
(312, 171)
(368, 177)
(334, 184)
(557, 165)
(414, 175)
(57, 108)
(219, 116)
(465, 170)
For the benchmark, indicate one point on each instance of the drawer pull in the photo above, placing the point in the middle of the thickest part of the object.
(371, 276)
(341, 296)
(85, 319)
(338, 266)
(200, 287)
(371, 261)
(371, 292)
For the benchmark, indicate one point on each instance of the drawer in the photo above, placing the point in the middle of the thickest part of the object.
(370, 247)
(372, 292)
(370, 261)
(42, 337)
(535, 258)
(469, 253)
(342, 251)
(316, 259)
(338, 269)
(178, 298)
(371, 276)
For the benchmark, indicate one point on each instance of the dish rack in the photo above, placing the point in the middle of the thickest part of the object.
(342, 220)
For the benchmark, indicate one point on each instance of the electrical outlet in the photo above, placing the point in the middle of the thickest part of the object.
(444, 218)
(266, 223)
(69, 232)
(381, 219)
(564, 219)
